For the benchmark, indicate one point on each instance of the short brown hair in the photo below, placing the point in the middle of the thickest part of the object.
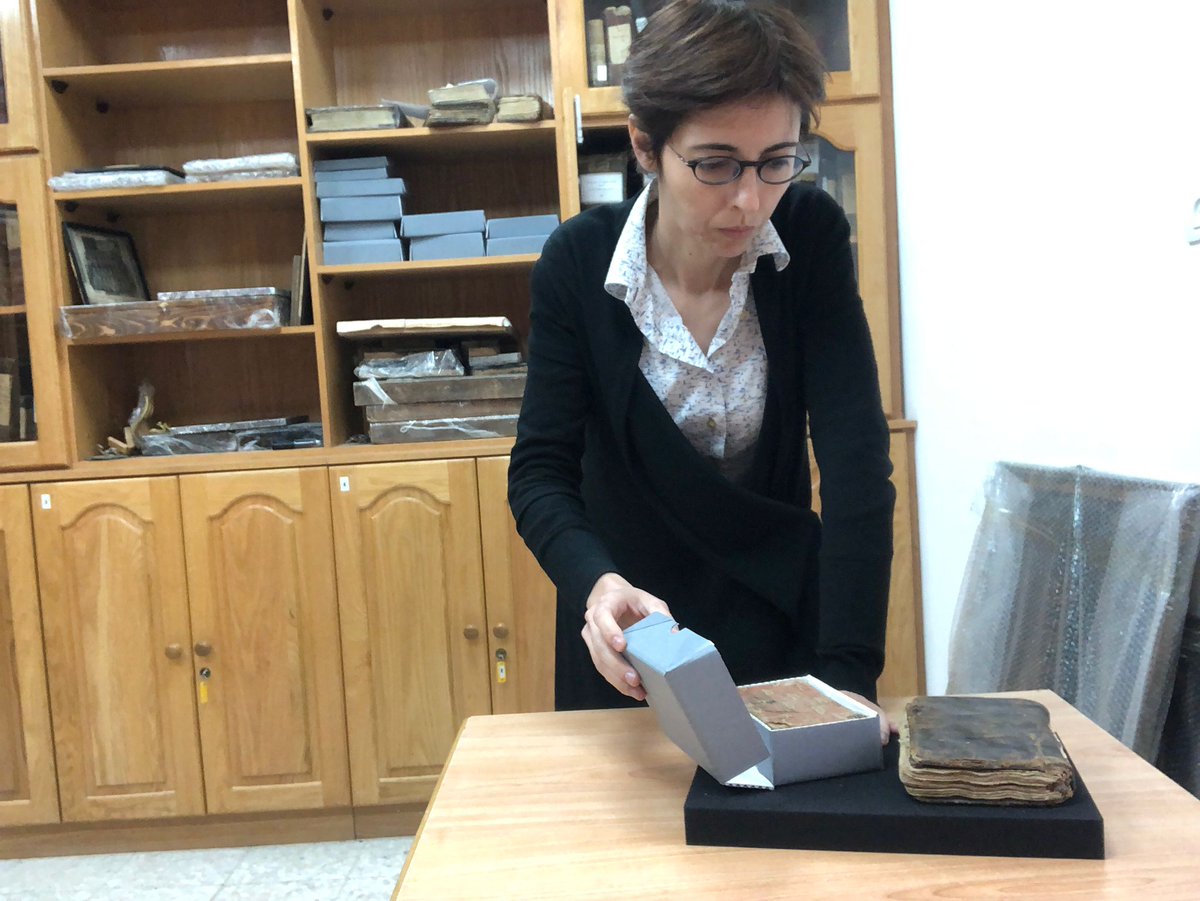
(698, 54)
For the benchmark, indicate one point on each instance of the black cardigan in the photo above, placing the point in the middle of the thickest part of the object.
(601, 479)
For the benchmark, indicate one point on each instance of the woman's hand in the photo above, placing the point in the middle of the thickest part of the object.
(886, 728)
(613, 605)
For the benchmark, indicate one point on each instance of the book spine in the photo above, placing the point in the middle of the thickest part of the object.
(597, 59)
(619, 32)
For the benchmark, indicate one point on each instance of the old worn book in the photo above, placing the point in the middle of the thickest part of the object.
(618, 28)
(442, 429)
(982, 751)
(521, 108)
(449, 409)
(354, 118)
(465, 114)
(448, 326)
(465, 93)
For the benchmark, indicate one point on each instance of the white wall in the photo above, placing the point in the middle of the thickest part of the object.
(1048, 157)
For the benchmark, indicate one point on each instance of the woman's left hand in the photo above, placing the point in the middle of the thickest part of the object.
(886, 728)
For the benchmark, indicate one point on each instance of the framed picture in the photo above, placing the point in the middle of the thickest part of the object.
(105, 264)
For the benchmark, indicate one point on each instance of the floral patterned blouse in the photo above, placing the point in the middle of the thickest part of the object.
(717, 398)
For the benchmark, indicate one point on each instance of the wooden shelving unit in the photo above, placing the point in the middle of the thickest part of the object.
(266, 193)
(248, 334)
(433, 267)
(189, 81)
(433, 142)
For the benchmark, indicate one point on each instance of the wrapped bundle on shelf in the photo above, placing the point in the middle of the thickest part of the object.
(183, 311)
(261, 165)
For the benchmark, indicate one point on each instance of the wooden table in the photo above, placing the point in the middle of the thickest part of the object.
(590, 805)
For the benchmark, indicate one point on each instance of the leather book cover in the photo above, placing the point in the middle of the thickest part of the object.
(982, 750)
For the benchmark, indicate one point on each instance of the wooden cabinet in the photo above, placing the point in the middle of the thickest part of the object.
(118, 648)
(28, 793)
(159, 660)
(444, 614)
(264, 624)
(414, 627)
(520, 602)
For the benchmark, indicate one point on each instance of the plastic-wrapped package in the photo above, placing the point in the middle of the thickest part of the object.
(442, 429)
(254, 162)
(425, 364)
(226, 437)
(240, 174)
(1079, 581)
(1179, 756)
(98, 181)
(84, 321)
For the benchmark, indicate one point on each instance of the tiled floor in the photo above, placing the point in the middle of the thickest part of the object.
(354, 871)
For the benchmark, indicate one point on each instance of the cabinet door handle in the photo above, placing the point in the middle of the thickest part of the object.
(203, 648)
(500, 630)
(174, 651)
(470, 633)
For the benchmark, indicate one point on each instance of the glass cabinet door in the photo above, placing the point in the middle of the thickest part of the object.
(593, 40)
(31, 415)
(18, 111)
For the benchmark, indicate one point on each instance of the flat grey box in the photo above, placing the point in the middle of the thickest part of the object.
(427, 224)
(446, 247)
(348, 253)
(353, 162)
(361, 187)
(519, 226)
(699, 708)
(353, 174)
(500, 247)
(361, 231)
(361, 209)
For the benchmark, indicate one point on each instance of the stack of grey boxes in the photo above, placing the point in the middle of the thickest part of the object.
(361, 208)
(519, 234)
(444, 236)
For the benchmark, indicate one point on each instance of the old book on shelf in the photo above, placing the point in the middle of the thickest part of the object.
(963, 750)
(465, 93)
(596, 54)
(454, 429)
(355, 118)
(618, 28)
(300, 287)
(449, 326)
(448, 409)
(465, 114)
(521, 108)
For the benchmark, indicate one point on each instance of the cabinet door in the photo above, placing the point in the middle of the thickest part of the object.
(18, 105)
(520, 603)
(846, 32)
(31, 414)
(114, 607)
(848, 163)
(410, 592)
(27, 789)
(264, 620)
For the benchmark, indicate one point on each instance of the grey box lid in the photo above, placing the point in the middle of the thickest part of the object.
(691, 692)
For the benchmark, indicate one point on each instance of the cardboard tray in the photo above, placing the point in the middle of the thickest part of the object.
(872, 812)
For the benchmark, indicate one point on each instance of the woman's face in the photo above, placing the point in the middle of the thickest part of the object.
(722, 219)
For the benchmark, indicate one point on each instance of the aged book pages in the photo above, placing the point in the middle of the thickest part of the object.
(982, 750)
(790, 703)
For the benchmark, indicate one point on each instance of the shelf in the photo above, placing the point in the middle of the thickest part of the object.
(14, 310)
(432, 267)
(260, 193)
(222, 80)
(240, 334)
(438, 142)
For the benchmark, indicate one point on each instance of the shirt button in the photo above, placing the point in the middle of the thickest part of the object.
(712, 424)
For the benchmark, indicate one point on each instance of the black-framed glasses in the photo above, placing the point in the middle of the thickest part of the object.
(721, 170)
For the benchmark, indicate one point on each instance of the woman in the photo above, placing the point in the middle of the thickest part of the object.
(679, 342)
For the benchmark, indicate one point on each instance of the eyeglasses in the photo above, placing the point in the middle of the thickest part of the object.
(721, 170)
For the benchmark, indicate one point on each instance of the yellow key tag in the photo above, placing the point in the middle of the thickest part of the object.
(203, 692)
(501, 671)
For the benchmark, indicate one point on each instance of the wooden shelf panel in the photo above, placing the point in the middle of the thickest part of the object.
(415, 143)
(261, 193)
(188, 81)
(13, 310)
(242, 334)
(433, 267)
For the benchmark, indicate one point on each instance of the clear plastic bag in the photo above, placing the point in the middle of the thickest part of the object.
(426, 364)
